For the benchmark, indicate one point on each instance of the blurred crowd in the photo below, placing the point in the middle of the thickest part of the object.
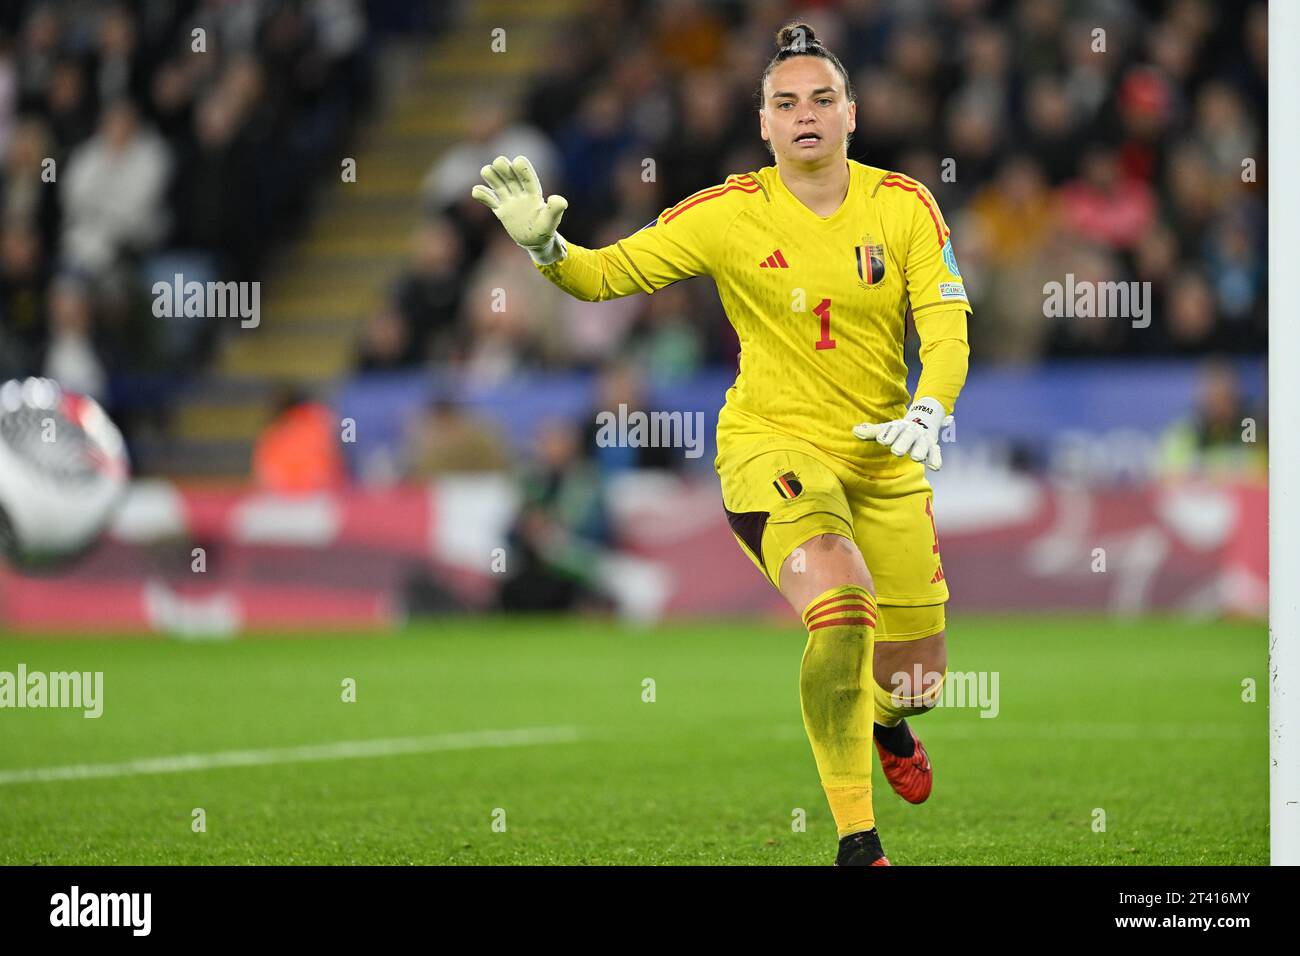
(143, 139)
(1103, 140)
(1132, 155)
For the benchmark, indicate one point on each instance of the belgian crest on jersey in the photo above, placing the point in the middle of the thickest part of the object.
(870, 260)
(788, 485)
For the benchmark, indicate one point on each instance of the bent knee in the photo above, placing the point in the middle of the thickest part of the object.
(914, 670)
(824, 561)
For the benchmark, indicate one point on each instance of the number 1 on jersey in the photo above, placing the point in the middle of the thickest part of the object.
(823, 310)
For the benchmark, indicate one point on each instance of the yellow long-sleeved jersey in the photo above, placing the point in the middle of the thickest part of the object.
(818, 302)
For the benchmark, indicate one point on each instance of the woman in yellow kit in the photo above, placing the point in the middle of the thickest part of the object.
(816, 260)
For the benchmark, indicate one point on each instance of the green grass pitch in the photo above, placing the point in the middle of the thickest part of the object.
(1141, 720)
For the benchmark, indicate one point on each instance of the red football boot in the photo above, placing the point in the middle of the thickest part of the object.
(910, 777)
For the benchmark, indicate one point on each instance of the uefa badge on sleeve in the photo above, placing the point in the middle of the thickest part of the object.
(950, 258)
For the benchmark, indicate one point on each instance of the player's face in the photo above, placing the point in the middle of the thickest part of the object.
(806, 115)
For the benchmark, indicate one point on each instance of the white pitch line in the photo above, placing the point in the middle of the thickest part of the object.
(340, 750)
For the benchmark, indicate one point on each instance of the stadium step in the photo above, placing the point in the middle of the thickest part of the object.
(234, 421)
(321, 356)
(519, 14)
(192, 459)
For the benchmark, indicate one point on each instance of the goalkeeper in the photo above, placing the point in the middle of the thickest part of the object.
(822, 452)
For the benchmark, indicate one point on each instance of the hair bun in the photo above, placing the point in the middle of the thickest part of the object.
(796, 36)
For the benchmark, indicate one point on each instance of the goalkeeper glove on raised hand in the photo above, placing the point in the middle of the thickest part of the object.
(515, 198)
(916, 433)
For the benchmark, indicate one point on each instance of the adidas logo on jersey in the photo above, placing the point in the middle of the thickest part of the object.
(774, 261)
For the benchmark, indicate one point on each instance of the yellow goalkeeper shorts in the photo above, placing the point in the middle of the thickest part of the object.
(779, 492)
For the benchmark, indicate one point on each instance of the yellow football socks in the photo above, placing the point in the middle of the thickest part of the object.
(836, 694)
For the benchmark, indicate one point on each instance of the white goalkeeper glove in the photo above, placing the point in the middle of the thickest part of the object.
(515, 197)
(916, 433)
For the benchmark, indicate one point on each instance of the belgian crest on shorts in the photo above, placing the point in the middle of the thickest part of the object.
(869, 257)
(788, 485)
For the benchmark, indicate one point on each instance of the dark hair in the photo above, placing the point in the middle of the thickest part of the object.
(798, 39)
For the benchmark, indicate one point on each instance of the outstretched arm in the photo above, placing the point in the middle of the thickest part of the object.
(645, 261)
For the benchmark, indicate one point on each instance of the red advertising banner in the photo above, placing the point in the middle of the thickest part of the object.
(201, 563)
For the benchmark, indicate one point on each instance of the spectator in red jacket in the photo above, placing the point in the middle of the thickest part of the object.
(298, 451)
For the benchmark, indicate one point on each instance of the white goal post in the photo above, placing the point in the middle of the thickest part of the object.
(1283, 444)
